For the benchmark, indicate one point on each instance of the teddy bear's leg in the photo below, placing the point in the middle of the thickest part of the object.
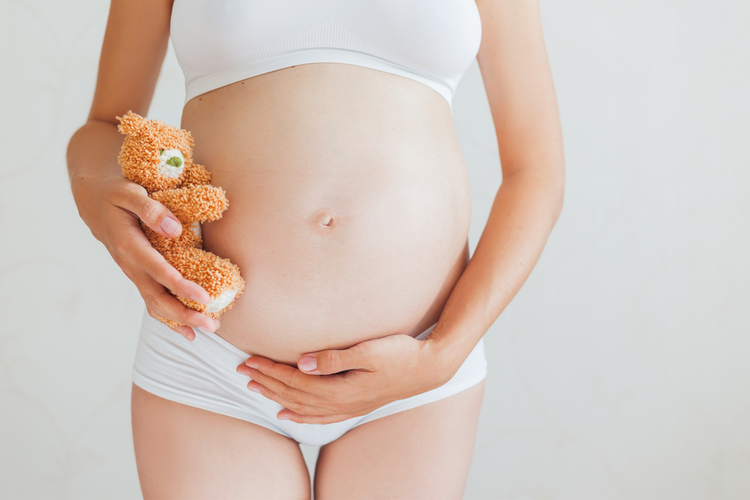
(219, 277)
(190, 237)
(202, 203)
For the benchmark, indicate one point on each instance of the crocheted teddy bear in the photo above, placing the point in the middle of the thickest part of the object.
(159, 157)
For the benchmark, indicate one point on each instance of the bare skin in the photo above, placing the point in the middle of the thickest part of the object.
(423, 453)
(348, 215)
(184, 452)
(344, 233)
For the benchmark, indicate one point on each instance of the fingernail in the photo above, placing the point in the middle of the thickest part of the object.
(283, 417)
(255, 389)
(308, 363)
(217, 324)
(169, 225)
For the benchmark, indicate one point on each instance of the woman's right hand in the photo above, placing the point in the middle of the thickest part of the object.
(111, 207)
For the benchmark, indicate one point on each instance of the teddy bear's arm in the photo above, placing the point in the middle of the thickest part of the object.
(195, 203)
(195, 175)
(189, 237)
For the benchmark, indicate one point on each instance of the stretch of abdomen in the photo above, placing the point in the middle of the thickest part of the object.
(348, 205)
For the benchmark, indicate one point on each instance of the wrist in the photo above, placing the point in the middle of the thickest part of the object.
(84, 185)
(83, 188)
(440, 360)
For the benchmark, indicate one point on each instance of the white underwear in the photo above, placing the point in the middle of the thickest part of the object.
(202, 373)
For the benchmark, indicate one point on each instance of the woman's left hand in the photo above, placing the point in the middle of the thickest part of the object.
(335, 385)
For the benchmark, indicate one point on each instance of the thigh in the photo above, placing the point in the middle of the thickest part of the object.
(424, 452)
(185, 452)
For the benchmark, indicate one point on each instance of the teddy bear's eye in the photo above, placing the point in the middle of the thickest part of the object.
(161, 152)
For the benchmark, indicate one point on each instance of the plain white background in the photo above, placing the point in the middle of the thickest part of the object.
(619, 371)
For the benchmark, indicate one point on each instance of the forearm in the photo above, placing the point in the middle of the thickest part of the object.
(523, 214)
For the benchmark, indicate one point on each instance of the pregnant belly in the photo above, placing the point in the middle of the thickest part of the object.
(348, 219)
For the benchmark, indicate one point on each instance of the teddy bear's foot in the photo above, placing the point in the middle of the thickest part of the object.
(221, 302)
(219, 277)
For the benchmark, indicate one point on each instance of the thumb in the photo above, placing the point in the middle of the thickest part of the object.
(329, 362)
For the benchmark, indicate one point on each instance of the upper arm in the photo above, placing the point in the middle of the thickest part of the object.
(135, 43)
(517, 78)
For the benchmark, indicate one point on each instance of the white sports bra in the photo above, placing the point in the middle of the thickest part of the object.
(218, 42)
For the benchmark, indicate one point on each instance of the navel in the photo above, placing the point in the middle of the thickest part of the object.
(326, 219)
(323, 218)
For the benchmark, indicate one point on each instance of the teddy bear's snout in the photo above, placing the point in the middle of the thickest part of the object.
(171, 163)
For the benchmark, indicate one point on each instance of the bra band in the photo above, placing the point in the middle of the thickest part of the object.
(202, 84)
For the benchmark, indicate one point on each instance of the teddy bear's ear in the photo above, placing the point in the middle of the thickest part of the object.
(131, 123)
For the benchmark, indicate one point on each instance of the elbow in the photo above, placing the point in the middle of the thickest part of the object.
(70, 152)
(560, 200)
(558, 193)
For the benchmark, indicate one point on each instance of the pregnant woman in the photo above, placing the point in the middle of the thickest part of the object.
(329, 125)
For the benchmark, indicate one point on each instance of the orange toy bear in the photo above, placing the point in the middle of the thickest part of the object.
(159, 157)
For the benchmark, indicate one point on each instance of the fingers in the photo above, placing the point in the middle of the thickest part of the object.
(128, 240)
(287, 414)
(286, 396)
(185, 331)
(329, 362)
(263, 369)
(134, 198)
(307, 398)
(136, 248)
(160, 304)
(111, 212)
(288, 384)
(298, 406)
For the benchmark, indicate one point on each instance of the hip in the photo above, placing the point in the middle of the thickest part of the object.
(203, 374)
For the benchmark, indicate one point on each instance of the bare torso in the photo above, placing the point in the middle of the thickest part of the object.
(349, 205)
